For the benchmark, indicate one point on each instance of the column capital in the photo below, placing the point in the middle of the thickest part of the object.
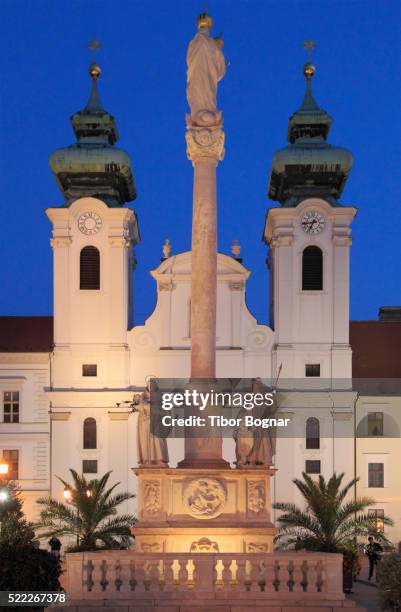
(205, 140)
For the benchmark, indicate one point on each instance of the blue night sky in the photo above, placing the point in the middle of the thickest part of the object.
(44, 80)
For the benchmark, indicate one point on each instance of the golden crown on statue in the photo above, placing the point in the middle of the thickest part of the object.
(204, 21)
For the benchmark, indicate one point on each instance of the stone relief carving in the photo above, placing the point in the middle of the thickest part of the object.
(150, 547)
(151, 490)
(204, 498)
(257, 547)
(204, 545)
(256, 495)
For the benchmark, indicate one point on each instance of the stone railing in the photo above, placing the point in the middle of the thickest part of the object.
(120, 575)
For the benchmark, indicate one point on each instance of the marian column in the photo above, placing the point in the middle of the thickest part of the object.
(205, 148)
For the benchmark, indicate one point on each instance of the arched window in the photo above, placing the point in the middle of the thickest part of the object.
(312, 269)
(312, 433)
(90, 435)
(89, 268)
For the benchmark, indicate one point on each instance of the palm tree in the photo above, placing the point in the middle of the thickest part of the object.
(329, 523)
(90, 515)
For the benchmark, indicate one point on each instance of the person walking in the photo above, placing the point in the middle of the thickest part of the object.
(374, 551)
(55, 546)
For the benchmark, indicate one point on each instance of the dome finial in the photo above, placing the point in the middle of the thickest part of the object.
(94, 68)
(309, 67)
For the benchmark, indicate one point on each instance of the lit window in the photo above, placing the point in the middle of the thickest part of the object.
(376, 475)
(377, 517)
(11, 457)
(89, 268)
(89, 466)
(312, 269)
(11, 407)
(312, 433)
(90, 433)
(312, 369)
(312, 466)
(89, 369)
(375, 423)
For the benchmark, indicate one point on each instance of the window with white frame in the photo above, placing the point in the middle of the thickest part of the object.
(11, 406)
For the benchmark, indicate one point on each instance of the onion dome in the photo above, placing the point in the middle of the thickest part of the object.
(93, 166)
(309, 166)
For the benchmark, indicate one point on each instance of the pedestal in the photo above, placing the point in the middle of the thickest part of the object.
(188, 510)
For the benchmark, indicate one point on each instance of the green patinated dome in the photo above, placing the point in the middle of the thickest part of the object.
(309, 166)
(94, 166)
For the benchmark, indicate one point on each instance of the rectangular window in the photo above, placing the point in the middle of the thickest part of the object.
(89, 369)
(312, 369)
(89, 466)
(11, 457)
(375, 423)
(11, 407)
(375, 475)
(312, 466)
(377, 516)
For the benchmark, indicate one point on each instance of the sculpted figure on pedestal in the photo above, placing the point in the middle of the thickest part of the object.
(206, 66)
(152, 450)
(255, 446)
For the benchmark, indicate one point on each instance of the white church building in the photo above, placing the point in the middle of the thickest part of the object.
(62, 377)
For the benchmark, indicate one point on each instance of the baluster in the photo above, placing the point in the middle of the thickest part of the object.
(125, 575)
(140, 575)
(290, 581)
(312, 577)
(319, 577)
(103, 568)
(88, 579)
(304, 570)
(240, 582)
(269, 575)
(154, 584)
(277, 573)
(97, 576)
(132, 576)
(226, 574)
(168, 574)
(183, 575)
(254, 574)
(117, 582)
(297, 576)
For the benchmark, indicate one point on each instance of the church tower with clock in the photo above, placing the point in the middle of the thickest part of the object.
(309, 244)
(93, 236)
(92, 242)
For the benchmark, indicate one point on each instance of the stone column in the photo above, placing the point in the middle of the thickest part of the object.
(205, 148)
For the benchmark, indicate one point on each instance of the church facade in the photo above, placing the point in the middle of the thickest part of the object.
(64, 379)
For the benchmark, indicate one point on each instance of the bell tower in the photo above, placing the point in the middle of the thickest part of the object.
(92, 239)
(309, 240)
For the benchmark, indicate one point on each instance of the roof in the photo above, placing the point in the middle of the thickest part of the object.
(26, 334)
(376, 349)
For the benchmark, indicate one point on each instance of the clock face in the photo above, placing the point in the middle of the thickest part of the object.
(89, 223)
(312, 222)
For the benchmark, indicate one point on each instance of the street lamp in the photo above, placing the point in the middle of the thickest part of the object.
(67, 493)
(3, 495)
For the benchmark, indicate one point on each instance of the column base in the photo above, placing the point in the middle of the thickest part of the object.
(196, 510)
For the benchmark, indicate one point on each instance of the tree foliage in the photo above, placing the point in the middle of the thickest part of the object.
(91, 515)
(329, 523)
(23, 565)
(388, 575)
